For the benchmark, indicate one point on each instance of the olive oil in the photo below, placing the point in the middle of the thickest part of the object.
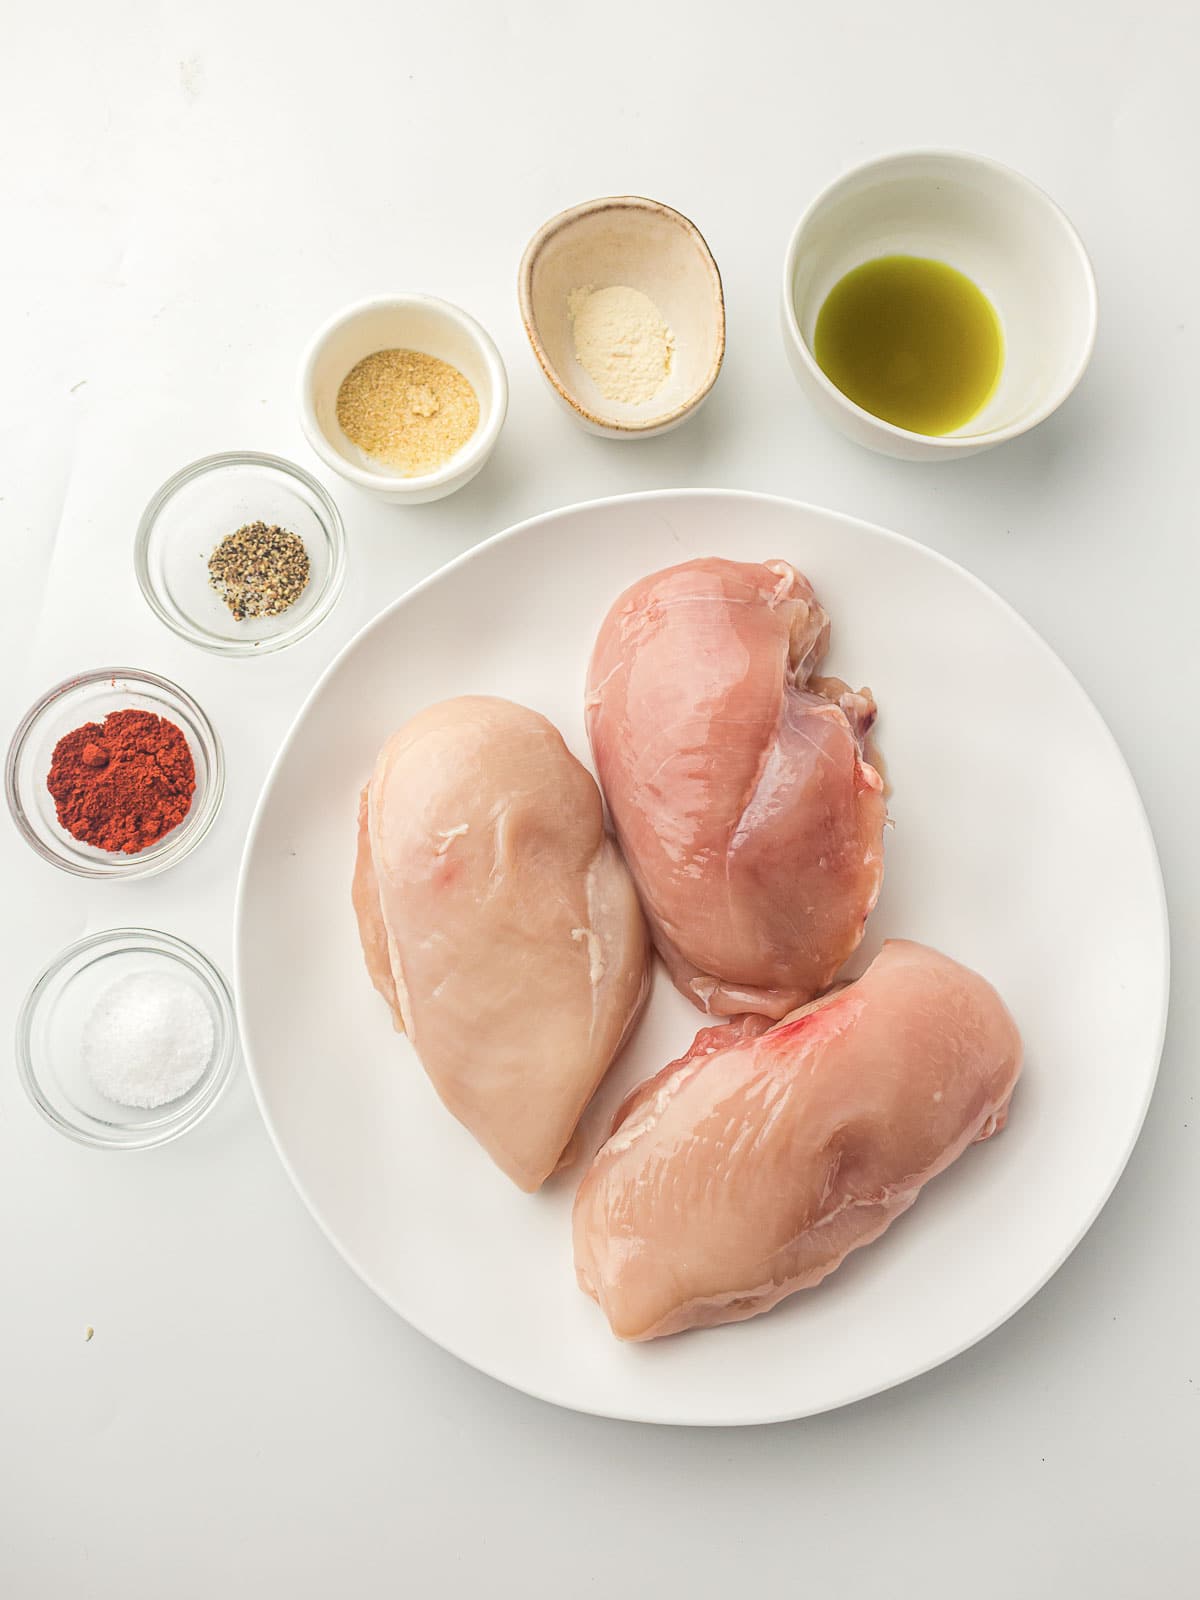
(912, 341)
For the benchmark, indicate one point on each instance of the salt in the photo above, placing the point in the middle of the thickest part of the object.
(148, 1039)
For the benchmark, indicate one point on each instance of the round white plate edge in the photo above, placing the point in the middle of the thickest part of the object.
(641, 497)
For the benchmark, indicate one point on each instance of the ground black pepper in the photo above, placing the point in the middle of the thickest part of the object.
(259, 571)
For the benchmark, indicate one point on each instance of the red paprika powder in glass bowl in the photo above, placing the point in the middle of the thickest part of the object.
(114, 774)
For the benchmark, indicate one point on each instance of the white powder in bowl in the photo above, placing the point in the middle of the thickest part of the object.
(148, 1040)
(622, 342)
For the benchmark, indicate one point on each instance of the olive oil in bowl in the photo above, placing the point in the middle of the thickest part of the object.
(912, 341)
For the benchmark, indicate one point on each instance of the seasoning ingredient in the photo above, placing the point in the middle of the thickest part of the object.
(122, 784)
(407, 409)
(148, 1039)
(622, 342)
(259, 571)
(912, 341)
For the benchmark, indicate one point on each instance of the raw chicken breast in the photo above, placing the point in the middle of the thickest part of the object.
(752, 1167)
(372, 934)
(736, 780)
(499, 922)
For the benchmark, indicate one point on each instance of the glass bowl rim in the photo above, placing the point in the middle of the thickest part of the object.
(214, 1082)
(190, 831)
(328, 515)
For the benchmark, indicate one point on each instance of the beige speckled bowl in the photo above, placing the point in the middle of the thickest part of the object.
(625, 239)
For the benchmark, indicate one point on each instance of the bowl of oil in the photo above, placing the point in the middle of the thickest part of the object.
(936, 304)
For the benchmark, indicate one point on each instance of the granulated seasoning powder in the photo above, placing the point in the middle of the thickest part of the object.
(407, 409)
(621, 342)
(259, 571)
(148, 1040)
(122, 783)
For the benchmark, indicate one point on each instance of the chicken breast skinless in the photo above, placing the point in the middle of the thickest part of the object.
(751, 1167)
(499, 922)
(751, 820)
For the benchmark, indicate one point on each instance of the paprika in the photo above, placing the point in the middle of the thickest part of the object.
(122, 784)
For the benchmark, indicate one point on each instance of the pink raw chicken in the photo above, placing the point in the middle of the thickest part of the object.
(752, 1167)
(736, 780)
(499, 922)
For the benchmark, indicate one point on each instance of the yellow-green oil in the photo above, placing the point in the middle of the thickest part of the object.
(912, 341)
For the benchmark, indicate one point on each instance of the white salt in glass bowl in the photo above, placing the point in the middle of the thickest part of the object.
(54, 1018)
(990, 223)
(400, 322)
(641, 244)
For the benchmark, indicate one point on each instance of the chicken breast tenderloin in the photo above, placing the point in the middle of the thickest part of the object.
(751, 1167)
(499, 921)
(750, 819)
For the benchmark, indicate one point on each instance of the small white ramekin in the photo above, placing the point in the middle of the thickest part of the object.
(1003, 232)
(401, 322)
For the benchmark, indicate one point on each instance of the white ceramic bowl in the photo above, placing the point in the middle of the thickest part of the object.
(995, 226)
(625, 239)
(401, 322)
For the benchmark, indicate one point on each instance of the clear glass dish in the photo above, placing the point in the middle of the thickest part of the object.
(192, 513)
(55, 1015)
(88, 698)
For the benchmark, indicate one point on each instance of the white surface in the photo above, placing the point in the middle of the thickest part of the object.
(443, 1236)
(977, 215)
(193, 192)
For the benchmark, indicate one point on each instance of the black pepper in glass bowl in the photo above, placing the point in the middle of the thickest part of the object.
(259, 571)
(241, 553)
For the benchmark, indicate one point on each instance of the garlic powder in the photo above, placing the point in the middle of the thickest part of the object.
(622, 342)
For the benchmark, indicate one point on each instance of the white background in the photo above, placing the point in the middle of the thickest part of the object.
(187, 196)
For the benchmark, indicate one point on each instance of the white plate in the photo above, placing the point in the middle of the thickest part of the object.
(1020, 847)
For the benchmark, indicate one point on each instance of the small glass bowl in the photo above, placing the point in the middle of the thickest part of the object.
(50, 1032)
(192, 513)
(89, 698)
